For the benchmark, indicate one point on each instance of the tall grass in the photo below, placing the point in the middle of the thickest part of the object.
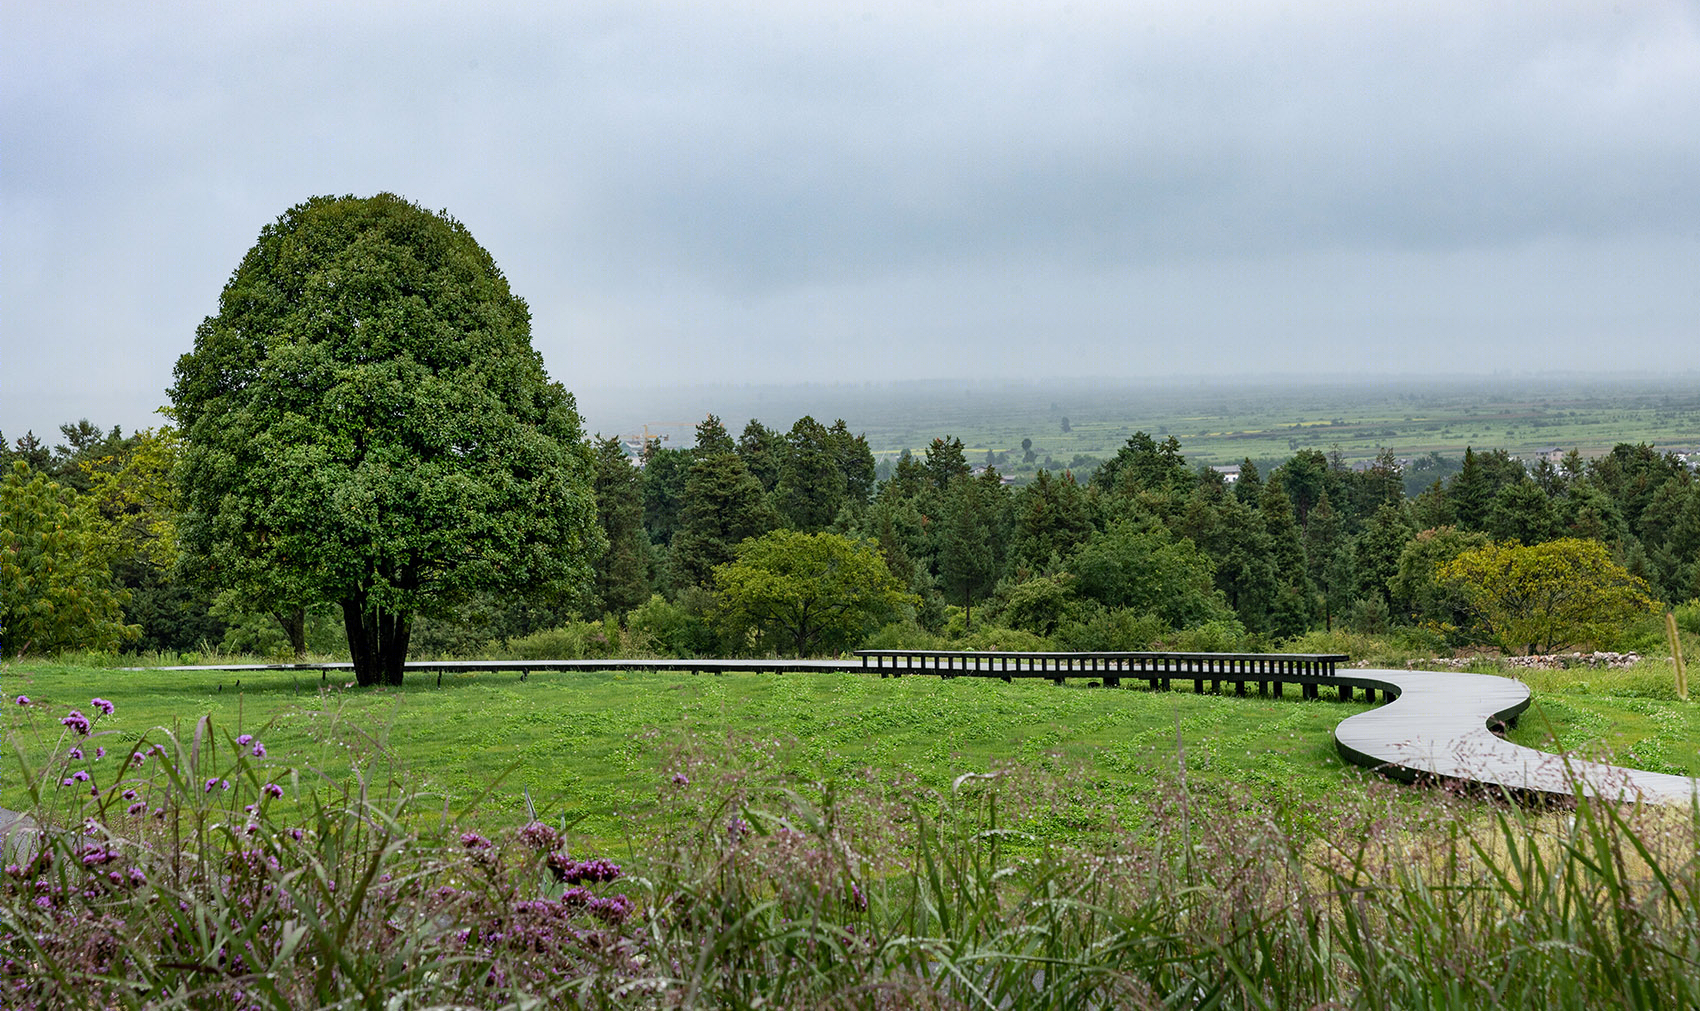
(178, 875)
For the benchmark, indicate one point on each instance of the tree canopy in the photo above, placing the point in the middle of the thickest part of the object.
(55, 564)
(1546, 596)
(813, 593)
(366, 422)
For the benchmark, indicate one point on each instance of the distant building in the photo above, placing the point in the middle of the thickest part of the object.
(1230, 472)
(1551, 454)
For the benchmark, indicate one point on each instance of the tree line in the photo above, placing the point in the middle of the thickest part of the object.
(723, 547)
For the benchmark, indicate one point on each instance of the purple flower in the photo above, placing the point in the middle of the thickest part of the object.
(23, 700)
(222, 784)
(272, 790)
(77, 722)
(75, 754)
(138, 808)
(540, 836)
(474, 841)
(131, 795)
(137, 758)
(244, 739)
(99, 753)
(81, 775)
(102, 705)
(577, 872)
(67, 781)
(296, 834)
(259, 750)
(680, 779)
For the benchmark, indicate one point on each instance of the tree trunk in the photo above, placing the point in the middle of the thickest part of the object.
(294, 622)
(377, 643)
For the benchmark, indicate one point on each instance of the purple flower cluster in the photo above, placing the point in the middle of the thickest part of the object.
(102, 705)
(540, 837)
(272, 790)
(473, 841)
(612, 910)
(680, 779)
(78, 723)
(578, 872)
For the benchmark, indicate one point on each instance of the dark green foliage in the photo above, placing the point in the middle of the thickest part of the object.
(1145, 569)
(855, 461)
(1377, 553)
(1305, 477)
(1052, 517)
(1671, 531)
(1249, 487)
(1417, 595)
(665, 472)
(1631, 476)
(1587, 511)
(1143, 464)
(763, 451)
(812, 483)
(971, 539)
(1470, 493)
(171, 614)
(712, 439)
(1521, 512)
(29, 449)
(366, 422)
(1381, 483)
(724, 504)
(946, 462)
(621, 573)
(1039, 604)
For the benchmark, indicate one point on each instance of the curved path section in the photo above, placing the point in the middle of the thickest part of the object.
(1439, 727)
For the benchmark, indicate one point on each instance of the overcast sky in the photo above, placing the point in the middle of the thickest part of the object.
(807, 192)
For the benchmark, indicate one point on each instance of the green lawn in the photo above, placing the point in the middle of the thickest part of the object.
(604, 747)
(601, 745)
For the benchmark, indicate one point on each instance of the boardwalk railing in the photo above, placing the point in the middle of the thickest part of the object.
(1268, 671)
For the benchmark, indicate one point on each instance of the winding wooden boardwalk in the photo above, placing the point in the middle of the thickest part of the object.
(1436, 725)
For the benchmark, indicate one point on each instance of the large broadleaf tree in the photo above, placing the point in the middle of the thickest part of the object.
(367, 423)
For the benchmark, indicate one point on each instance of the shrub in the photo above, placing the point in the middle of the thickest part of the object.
(576, 641)
(1110, 630)
(1222, 636)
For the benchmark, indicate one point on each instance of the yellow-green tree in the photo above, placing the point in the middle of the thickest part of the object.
(1545, 596)
(56, 570)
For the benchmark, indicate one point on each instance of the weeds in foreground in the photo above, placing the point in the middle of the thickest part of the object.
(225, 880)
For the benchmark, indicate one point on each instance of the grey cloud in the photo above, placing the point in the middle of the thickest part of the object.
(775, 191)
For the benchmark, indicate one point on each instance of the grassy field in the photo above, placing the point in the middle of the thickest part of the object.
(1216, 421)
(600, 749)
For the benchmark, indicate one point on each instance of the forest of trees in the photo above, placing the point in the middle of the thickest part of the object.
(1146, 551)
